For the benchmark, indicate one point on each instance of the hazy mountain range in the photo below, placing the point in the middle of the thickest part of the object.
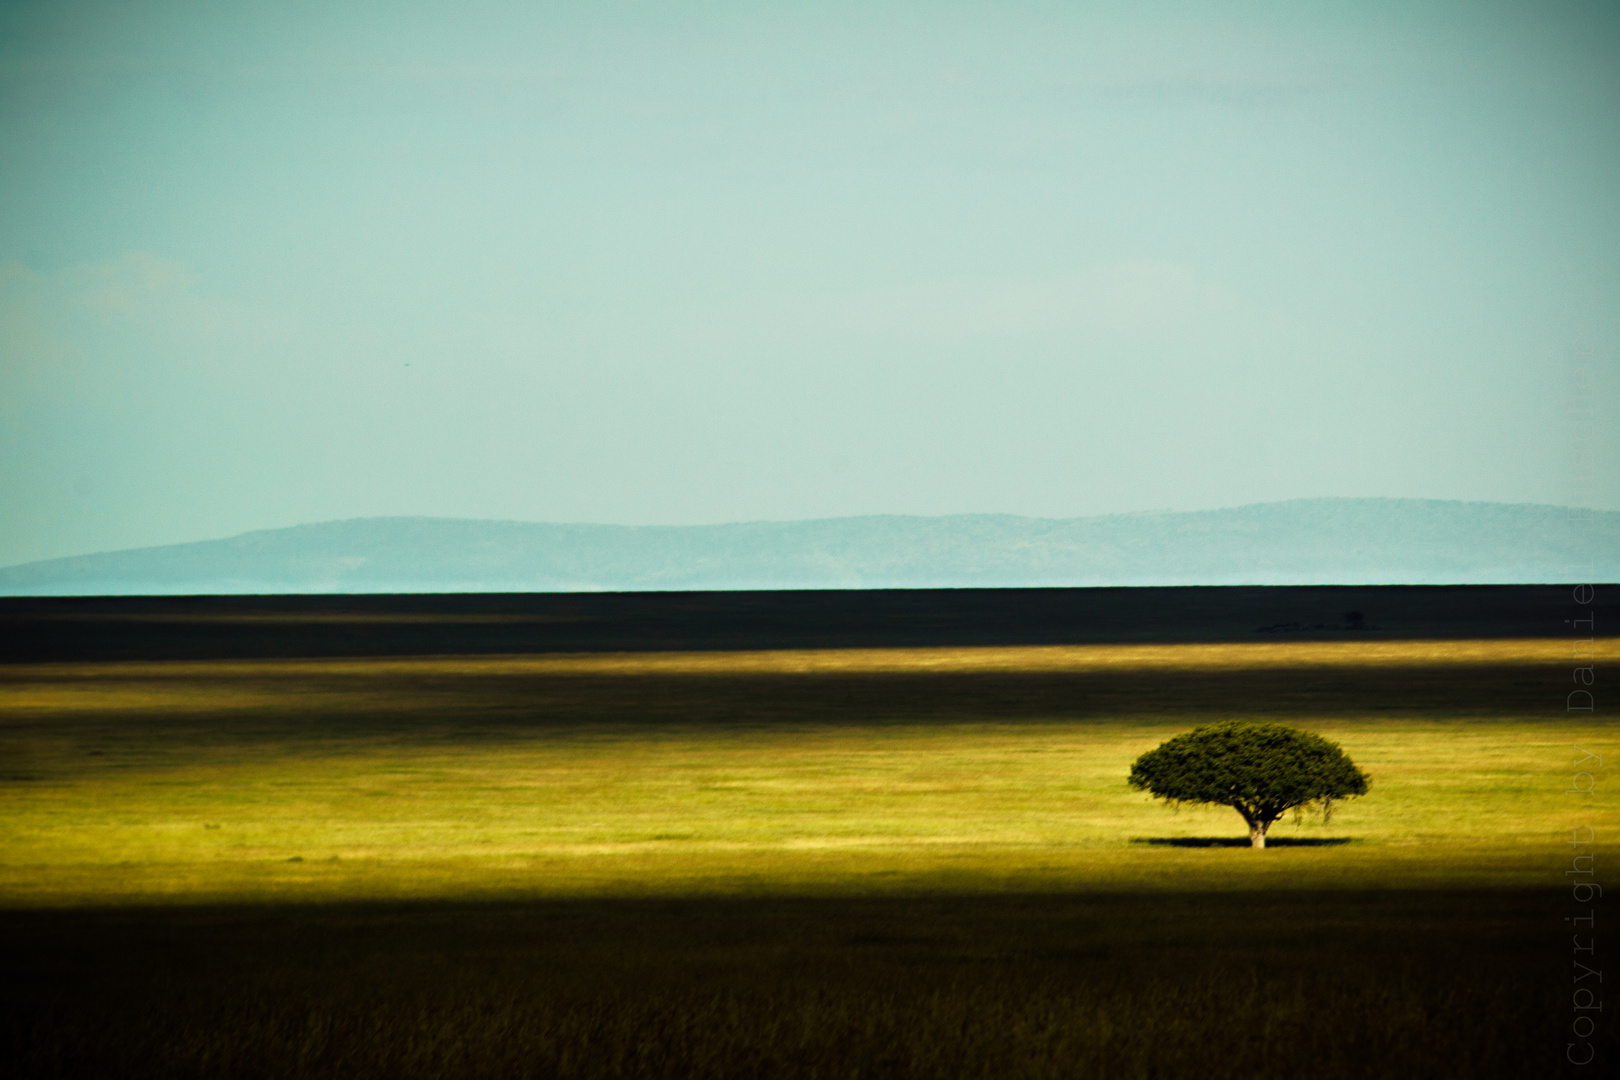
(1301, 542)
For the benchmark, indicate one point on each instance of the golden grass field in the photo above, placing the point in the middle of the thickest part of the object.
(811, 772)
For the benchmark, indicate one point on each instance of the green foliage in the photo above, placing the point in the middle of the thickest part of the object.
(1260, 770)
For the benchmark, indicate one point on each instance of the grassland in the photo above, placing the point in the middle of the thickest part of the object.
(914, 862)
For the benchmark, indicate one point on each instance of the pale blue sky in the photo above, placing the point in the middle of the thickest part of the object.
(270, 264)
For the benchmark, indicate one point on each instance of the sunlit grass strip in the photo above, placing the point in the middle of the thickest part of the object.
(215, 685)
(455, 776)
(714, 810)
(1021, 659)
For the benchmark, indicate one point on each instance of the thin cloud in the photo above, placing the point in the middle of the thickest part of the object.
(50, 316)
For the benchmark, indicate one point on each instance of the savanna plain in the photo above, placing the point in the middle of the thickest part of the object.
(835, 862)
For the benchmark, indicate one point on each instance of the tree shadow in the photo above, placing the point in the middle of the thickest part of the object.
(1242, 841)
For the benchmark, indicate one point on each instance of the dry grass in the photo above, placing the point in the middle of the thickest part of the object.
(911, 863)
(1512, 652)
(782, 772)
(1240, 986)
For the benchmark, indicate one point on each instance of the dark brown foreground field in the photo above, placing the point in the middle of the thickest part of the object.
(1225, 985)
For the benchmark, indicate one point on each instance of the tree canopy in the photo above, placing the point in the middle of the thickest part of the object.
(1260, 770)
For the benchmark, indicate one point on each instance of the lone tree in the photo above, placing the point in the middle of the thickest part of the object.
(1259, 770)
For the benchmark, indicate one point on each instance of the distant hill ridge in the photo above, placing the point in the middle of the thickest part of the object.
(1299, 542)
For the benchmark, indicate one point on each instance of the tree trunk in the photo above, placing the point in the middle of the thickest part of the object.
(1257, 833)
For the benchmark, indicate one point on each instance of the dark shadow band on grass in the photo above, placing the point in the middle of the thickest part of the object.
(1411, 982)
(1242, 841)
